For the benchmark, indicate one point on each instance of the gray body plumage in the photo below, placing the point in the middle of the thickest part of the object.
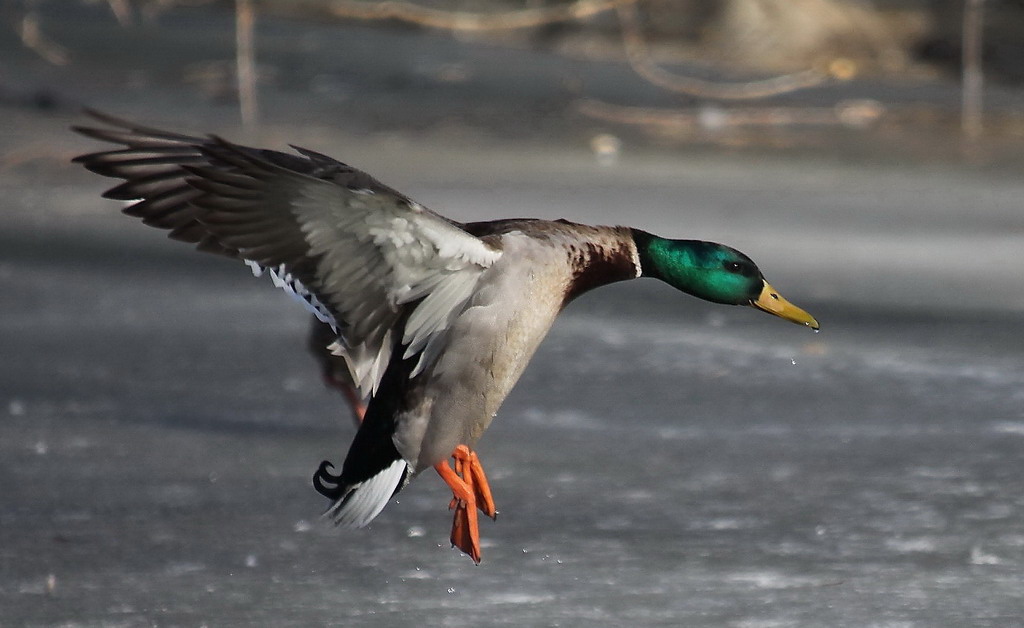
(444, 316)
(492, 340)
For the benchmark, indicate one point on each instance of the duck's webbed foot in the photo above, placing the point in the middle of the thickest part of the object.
(323, 477)
(471, 492)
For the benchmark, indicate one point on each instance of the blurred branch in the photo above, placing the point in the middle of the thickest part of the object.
(464, 21)
(971, 121)
(637, 51)
(854, 114)
(245, 61)
(32, 38)
(122, 11)
(640, 59)
(35, 152)
(636, 47)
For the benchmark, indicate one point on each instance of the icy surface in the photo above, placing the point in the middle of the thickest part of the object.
(662, 462)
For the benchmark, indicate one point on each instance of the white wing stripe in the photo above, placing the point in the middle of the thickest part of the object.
(287, 282)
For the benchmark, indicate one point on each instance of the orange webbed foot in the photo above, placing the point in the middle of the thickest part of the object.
(471, 492)
(468, 482)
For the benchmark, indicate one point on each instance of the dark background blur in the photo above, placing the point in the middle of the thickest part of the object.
(875, 76)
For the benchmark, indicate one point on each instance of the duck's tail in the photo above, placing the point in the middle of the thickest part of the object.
(357, 504)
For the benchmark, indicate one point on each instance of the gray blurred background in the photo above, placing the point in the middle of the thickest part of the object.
(663, 462)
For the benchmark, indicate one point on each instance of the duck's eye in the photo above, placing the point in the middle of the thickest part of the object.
(734, 267)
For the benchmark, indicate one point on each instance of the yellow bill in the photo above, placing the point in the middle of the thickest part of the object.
(772, 302)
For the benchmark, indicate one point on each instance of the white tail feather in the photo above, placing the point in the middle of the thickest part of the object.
(365, 501)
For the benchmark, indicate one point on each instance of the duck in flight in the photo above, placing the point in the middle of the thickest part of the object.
(434, 319)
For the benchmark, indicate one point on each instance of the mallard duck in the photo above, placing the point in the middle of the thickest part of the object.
(435, 319)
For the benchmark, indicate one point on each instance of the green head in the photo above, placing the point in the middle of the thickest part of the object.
(713, 272)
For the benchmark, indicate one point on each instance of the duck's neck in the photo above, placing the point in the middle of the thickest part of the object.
(679, 263)
(600, 256)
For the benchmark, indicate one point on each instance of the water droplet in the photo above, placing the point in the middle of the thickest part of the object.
(793, 360)
(250, 561)
(451, 590)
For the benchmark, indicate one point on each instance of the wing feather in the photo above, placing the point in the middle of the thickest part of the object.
(362, 256)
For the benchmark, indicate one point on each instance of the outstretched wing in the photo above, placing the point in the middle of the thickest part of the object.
(365, 258)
